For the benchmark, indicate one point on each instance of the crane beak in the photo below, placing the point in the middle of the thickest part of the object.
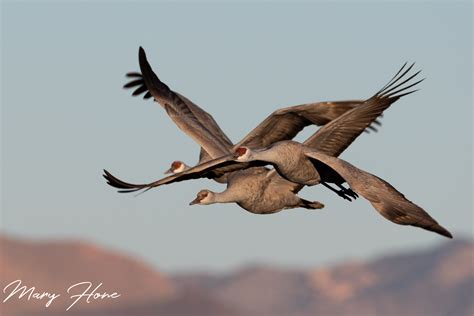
(169, 171)
(195, 201)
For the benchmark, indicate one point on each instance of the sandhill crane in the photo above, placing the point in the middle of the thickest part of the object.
(362, 116)
(330, 140)
(259, 191)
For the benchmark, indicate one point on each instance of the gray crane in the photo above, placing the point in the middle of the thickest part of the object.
(316, 158)
(276, 193)
(315, 162)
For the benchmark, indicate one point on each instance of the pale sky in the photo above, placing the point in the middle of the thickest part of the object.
(65, 117)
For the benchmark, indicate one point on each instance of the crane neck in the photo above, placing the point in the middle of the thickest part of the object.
(227, 196)
(268, 155)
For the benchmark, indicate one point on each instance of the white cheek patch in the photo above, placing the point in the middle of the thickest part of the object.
(204, 200)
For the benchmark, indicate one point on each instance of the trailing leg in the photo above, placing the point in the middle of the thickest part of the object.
(348, 191)
(315, 205)
(341, 193)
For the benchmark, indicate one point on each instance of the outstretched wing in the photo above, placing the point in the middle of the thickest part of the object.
(138, 83)
(190, 118)
(283, 124)
(210, 169)
(286, 123)
(389, 202)
(336, 136)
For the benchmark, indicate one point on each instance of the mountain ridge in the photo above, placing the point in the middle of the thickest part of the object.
(434, 281)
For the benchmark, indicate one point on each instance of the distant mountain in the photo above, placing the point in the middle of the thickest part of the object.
(54, 266)
(438, 281)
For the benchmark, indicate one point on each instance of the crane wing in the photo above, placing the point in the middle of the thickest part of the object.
(189, 117)
(387, 200)
(333, 138)
(138, 84)
(283, 124)
(210, 169)
(286, 123)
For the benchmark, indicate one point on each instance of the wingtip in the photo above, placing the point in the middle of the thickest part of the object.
(145, 67)
(447, 234)
(141, 55)
(106, 176)
(442, 231)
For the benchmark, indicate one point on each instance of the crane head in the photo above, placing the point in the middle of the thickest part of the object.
(203, 197)
(243, 153)
(176, 167)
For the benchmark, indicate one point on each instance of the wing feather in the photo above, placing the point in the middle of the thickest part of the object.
(286, 123)
(336, 136)
(387, 200)
(181, 113)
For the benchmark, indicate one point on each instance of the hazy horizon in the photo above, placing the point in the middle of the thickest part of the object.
(65, 117)
(435, 281)
(378, 255)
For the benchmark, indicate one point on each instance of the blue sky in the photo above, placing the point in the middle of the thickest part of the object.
(65, 118)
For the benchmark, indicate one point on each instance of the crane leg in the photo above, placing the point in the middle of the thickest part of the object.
(348, 191)
(341, 193)
(315, 205)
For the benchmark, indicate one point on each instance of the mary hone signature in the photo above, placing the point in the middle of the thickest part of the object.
(80, 291)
